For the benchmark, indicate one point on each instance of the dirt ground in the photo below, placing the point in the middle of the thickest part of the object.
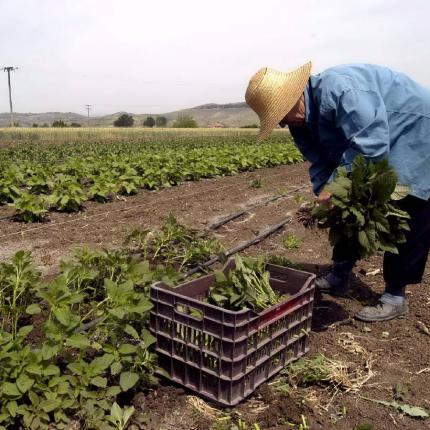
(394, 352)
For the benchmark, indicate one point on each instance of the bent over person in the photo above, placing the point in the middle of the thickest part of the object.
(349, 110)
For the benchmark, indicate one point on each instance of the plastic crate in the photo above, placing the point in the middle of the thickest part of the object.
(225, 355)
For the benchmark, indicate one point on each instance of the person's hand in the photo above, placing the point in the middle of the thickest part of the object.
(324, 198)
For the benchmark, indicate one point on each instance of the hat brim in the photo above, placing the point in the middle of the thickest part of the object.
(287, 95)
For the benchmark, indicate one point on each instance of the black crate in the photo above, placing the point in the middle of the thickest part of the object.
(225, 355)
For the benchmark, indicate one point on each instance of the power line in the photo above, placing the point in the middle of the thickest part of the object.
(9, 69)
(88, 107)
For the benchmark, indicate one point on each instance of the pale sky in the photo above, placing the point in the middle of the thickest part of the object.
(157, 56)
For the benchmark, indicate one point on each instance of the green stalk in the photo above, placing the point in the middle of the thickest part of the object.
(15, 297)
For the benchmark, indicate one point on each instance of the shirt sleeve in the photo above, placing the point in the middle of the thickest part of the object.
(361, 117)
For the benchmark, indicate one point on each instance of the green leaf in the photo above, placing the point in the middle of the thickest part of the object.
(77, 368)
(50, 405)
(34, 398)
(51, 370)
(141, 308)
(24, 331)
(12, 407)
(116, 412)
(343, 181)
(99, 364)
(33, 309)
(384, 185)
(147, 337)
(49, 351)
(337, 190)
(363, 240)
(127, 413)
(116, 368)
(113, 391)
(412, 411)
(63, 315)
(131, 331)
(24, 383)
(358, 215)
(100, 382)
(78, 340)
(34, 369)
(128, 380)
(127, 348)
(117, 312)
(10, 389)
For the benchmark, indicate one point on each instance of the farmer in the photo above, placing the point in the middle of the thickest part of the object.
(345, 111)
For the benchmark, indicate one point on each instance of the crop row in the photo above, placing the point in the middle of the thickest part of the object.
(37, 180)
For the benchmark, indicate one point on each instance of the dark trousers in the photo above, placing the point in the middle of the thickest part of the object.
(406, 267)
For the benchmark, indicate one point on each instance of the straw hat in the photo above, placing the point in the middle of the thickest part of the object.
(272, 94)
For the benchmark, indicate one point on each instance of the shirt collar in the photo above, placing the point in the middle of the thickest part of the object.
(311, 112)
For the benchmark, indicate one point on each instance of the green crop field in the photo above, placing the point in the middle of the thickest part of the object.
(72, 347)
(59, 170)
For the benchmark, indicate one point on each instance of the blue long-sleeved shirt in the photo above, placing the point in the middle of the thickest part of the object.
(371, 110)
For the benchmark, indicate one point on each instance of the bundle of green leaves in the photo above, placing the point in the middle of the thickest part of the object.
(364, 212)
(246, 286)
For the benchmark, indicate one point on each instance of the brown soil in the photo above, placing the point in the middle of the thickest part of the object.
(399, 350)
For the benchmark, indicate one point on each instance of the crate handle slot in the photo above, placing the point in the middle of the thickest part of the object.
(189, 311)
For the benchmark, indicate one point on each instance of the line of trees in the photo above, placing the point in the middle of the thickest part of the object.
(124, 120)
(60, 123)
(57, 123)
(182, 121)
(159, 121)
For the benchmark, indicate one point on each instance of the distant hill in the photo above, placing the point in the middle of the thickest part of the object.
(208, 115)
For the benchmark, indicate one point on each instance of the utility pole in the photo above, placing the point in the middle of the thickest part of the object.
(88, 112)
(9, 69)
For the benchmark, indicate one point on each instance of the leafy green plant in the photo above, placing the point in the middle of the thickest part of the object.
(256, 183)
(291, 242)
(92, 346)
(363, 212)
(31, 388)
(38, 180)
(9, 184)
(29, 207)
(120, 417)
(247, 285)
(17, 281)
(67, 195)
(103, 189)
(129, 182)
